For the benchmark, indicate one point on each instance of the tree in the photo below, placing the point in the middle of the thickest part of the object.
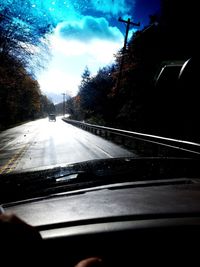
(92, 101)
(46, 106)
(19, 94)
(23, 47)
(23, 32)
(86, 76)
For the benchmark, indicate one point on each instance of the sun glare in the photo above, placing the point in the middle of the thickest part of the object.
(69, 59)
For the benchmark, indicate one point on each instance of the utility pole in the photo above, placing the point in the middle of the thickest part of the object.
(63, 104)
(128, 23)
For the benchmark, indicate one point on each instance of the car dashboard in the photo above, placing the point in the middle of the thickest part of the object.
(126, 224)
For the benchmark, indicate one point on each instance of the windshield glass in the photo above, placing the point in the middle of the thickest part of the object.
(86, 80)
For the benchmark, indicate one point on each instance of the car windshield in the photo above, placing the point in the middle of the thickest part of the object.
(82, 81)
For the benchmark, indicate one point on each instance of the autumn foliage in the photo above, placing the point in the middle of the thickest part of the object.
(22, 47)
(130, 99)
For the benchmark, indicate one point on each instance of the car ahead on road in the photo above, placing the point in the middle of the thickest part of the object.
(52, 117)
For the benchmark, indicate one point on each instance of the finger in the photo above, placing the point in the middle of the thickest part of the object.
(90, 262)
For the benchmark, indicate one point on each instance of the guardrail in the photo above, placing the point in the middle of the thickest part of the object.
(144, 144)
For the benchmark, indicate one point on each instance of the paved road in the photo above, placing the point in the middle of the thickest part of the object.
(42, 143)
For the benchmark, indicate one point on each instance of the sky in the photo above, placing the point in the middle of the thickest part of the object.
(87, 41)
(85, 33)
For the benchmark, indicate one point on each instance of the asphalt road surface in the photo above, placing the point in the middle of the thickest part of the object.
(42, 143)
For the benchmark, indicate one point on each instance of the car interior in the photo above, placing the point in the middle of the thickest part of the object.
(75, 225)
(152, 221)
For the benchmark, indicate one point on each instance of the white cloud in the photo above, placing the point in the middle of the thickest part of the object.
(88, 28)
(69, 58)
(58, 81)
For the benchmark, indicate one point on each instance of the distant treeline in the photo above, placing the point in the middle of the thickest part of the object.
(131, 100)
(20, 95)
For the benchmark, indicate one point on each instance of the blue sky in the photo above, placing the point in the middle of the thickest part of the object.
(75, 44)
(85, 33)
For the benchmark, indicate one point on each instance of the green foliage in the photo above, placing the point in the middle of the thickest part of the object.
(92, 100)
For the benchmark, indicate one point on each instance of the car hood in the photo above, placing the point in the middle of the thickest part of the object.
(38, 183)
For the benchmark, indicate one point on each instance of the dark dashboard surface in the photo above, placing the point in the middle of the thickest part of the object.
(130, 224)
(129, 199)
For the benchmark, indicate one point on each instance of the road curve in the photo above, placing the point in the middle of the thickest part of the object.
(42, 143)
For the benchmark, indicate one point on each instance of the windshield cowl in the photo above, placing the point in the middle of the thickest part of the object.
(23, 185)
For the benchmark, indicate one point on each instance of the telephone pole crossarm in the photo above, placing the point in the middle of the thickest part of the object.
(128, 23)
